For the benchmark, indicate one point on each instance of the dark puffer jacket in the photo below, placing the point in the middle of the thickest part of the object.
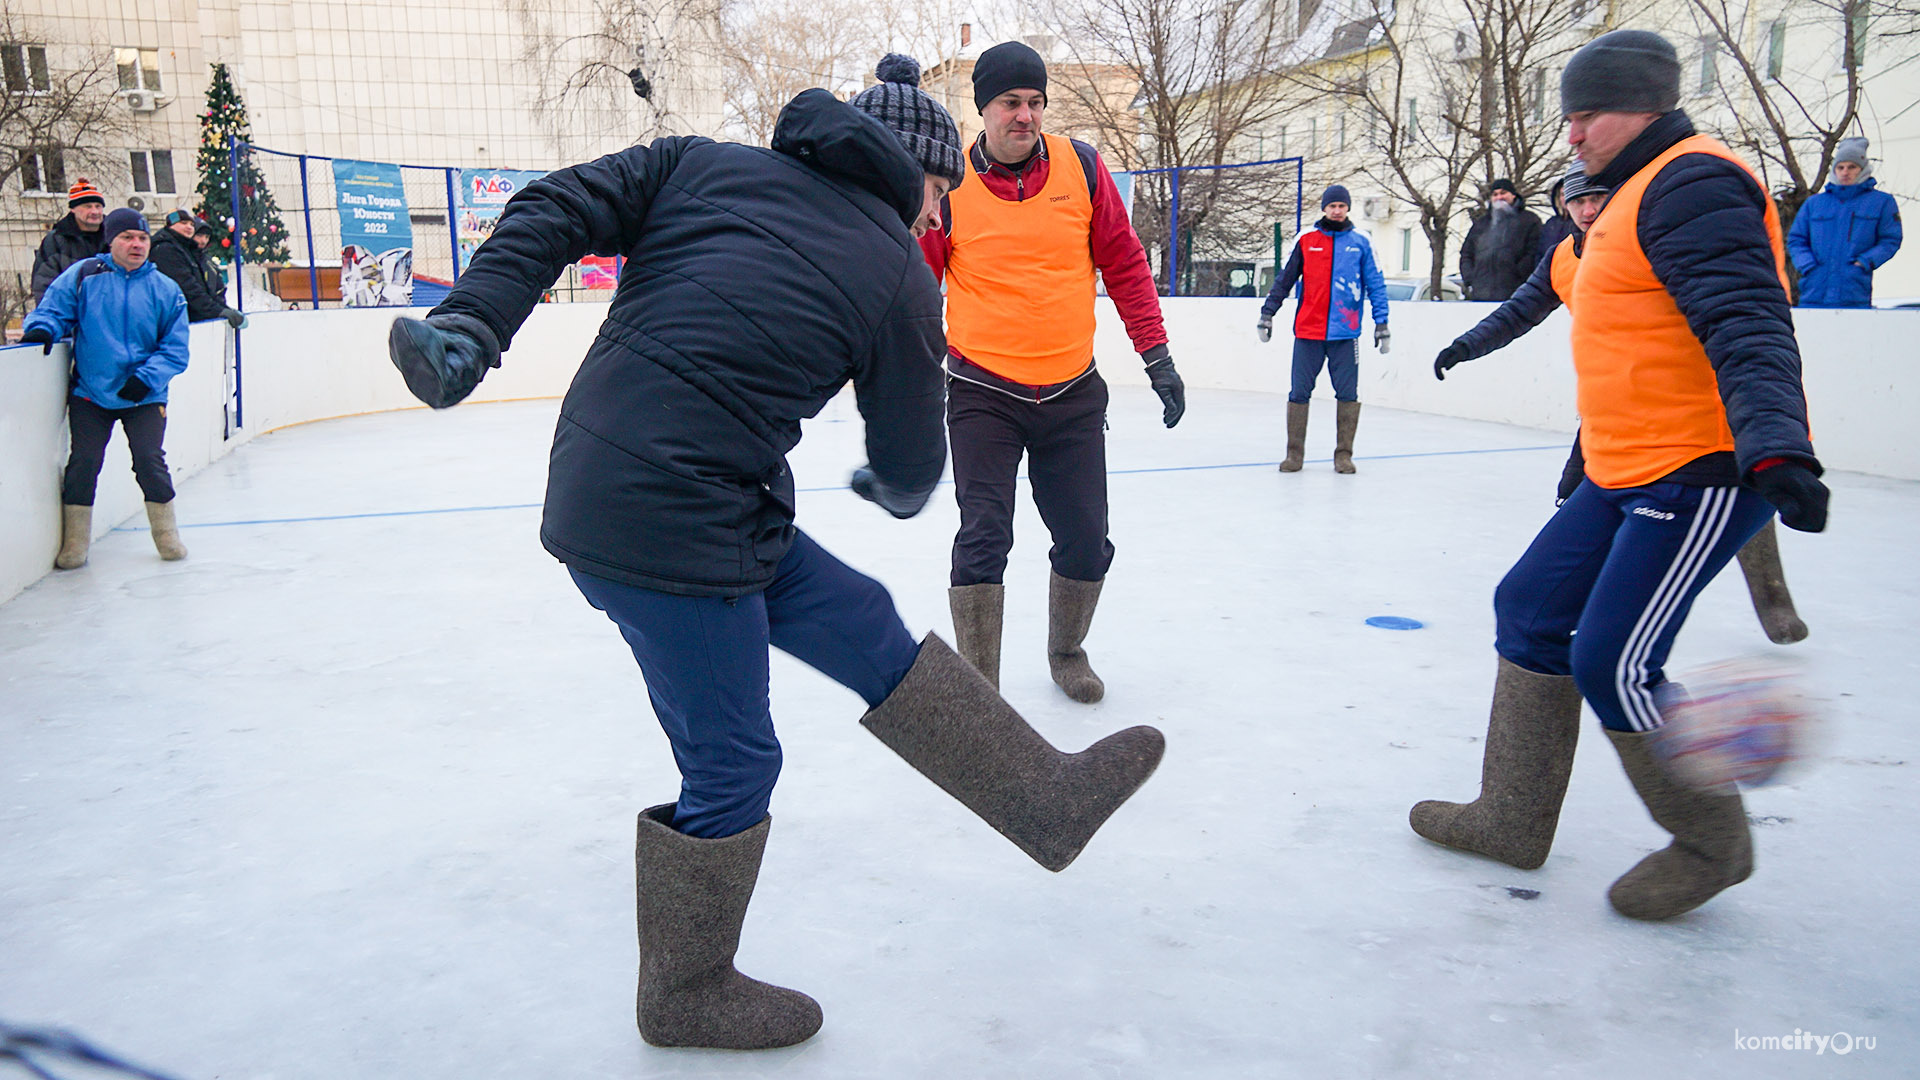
(181, 259)
(757, 283)
(1492, 270)
(64, 245)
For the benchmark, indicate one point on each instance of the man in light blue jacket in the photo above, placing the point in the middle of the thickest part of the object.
(1845, 233)
(128, 322)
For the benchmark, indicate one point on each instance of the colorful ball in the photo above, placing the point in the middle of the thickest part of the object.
(1735, 722)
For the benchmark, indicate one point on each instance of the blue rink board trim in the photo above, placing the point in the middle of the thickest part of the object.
(1395, 622)
(817, 490)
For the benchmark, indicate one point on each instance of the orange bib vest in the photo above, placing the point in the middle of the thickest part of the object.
(1020, 275)
(1565, 264)
(1648, 399)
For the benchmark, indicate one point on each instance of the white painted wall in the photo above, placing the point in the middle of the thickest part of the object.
(304, 366)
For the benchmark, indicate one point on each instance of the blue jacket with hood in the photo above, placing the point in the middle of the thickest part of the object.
(1843, 225)
(1333, 274)
(123, 323)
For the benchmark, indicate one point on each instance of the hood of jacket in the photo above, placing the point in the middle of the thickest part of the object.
(1847, 192)
(830, 135)
(1331, 227)
(166, 235)
(69, 226)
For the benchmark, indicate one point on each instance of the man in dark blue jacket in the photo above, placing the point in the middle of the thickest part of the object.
(1845, 233)
(756, 283)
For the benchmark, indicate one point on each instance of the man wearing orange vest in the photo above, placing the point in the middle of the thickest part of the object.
(1022, 237)
(1694, 430)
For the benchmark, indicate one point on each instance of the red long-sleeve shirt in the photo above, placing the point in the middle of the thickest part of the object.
(1117, 253)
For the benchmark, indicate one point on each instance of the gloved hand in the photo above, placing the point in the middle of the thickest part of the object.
(1570, 477)
(235, 318)
(1382, 340)
(869, 486)
(41, 336)
(1173, 392)
(134, 390)
(1266, 328)
(1794, 490)
(442, 357)
(1455, 353)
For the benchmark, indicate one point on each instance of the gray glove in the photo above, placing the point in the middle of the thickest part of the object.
(235, 318)
(1381, 339)
(1266, 328)
(869, 486)
(442, 357)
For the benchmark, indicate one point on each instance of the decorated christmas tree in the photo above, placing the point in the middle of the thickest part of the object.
(262, 236)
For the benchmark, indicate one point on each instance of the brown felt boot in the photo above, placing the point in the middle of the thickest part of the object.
(1767, 584)
(1346, 417)
(1296, 436)
(947, 722)
(1523, 774)
(166, 534)
(977, 613)
(1070, 607)
(1711, 849)
(76, 537)
(692, 896)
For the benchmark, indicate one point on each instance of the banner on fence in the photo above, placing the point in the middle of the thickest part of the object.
(376, 236)
(483, 194)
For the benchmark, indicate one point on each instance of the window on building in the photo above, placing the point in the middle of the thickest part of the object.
(1406, 250)
(1343, 132)
(42, 172)
(1313, 136)
(25, 68)
(1857, 25)
(1283, 140)
(1537, 96)
(139, 68)
(152, 171)
(1709, 64)
(1413, 118)
(1776, 48)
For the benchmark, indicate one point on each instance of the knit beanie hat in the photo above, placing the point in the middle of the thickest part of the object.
(1009, 65)
(1854, 150)
(120, 221)
(1503, 184)
(922, 123)
(1335, 194)
(1577, 183)
(1633, 71)
(83, 191)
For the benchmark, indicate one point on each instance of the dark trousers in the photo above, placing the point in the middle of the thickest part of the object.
(89, 426)
(1602, 591)
(1064, 440)
(1339, 358)
(705, 662)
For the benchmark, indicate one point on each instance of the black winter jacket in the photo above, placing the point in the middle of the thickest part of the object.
(64, 245)
(756, 283)
(1557, 228)
(1494, 275)
(181, 259)
(1527, 308)
(1702, 225)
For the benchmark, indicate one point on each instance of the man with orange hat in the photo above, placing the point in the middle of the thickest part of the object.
(74, 237)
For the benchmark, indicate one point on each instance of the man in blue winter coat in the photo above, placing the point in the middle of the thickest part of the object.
(1332, 272)
(129, 327)
(1845, 233)
(757, 283)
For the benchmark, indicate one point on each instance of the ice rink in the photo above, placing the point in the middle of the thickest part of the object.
(349, 794)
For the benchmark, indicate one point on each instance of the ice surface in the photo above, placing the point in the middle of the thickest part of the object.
(350, 792)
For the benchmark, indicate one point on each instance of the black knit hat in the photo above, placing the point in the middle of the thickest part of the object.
(1503, 184)
(922, 124)
(123, 220)
(1335, 194)
(1009, 65)
(1633, 71)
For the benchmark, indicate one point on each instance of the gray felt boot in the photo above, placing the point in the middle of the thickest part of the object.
(977, 612)
(1767, 584)
(166, 532)
(1711, 849)
(692, 897)
(1523, 774)
(1346, 417)
(1296, 437)
(1070, 607)
(947, 722)
(76, 537)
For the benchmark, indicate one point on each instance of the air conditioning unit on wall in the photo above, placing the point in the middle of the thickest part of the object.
(142, 100)
(1376, 207)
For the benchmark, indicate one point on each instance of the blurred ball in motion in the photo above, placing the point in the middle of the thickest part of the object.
(1738, 721)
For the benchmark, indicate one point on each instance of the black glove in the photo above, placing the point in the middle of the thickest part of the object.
(1455, 353)
(41, 336)
(1173, 393)
(442, 357)
(235, 318)
(1265, 327)
(134, 390)
(870, 487)
(1382, 339)
(1571, 474)
(1795, 490)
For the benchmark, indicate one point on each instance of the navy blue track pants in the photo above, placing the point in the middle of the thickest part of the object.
(705, 662)
(1341, 361)
(1604, 588)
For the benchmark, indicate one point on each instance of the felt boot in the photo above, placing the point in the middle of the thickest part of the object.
(1296, 437)
(977, 612)
(166, 534)
(692, 896)
(1346, 417)
(1531, 735)
(1767, 584)
(950, 724)
(76, 537)
(1711, 849)
(1070, 607)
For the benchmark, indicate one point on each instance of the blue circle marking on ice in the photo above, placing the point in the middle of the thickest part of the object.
(1395, 622)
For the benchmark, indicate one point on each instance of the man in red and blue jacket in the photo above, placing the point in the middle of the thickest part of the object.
(1330, 272)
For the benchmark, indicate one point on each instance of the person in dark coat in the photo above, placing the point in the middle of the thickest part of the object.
(178, 256)
(757, 283)
(73, 238)
(1845, 233)
(1502, 246)
(1561, 225)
